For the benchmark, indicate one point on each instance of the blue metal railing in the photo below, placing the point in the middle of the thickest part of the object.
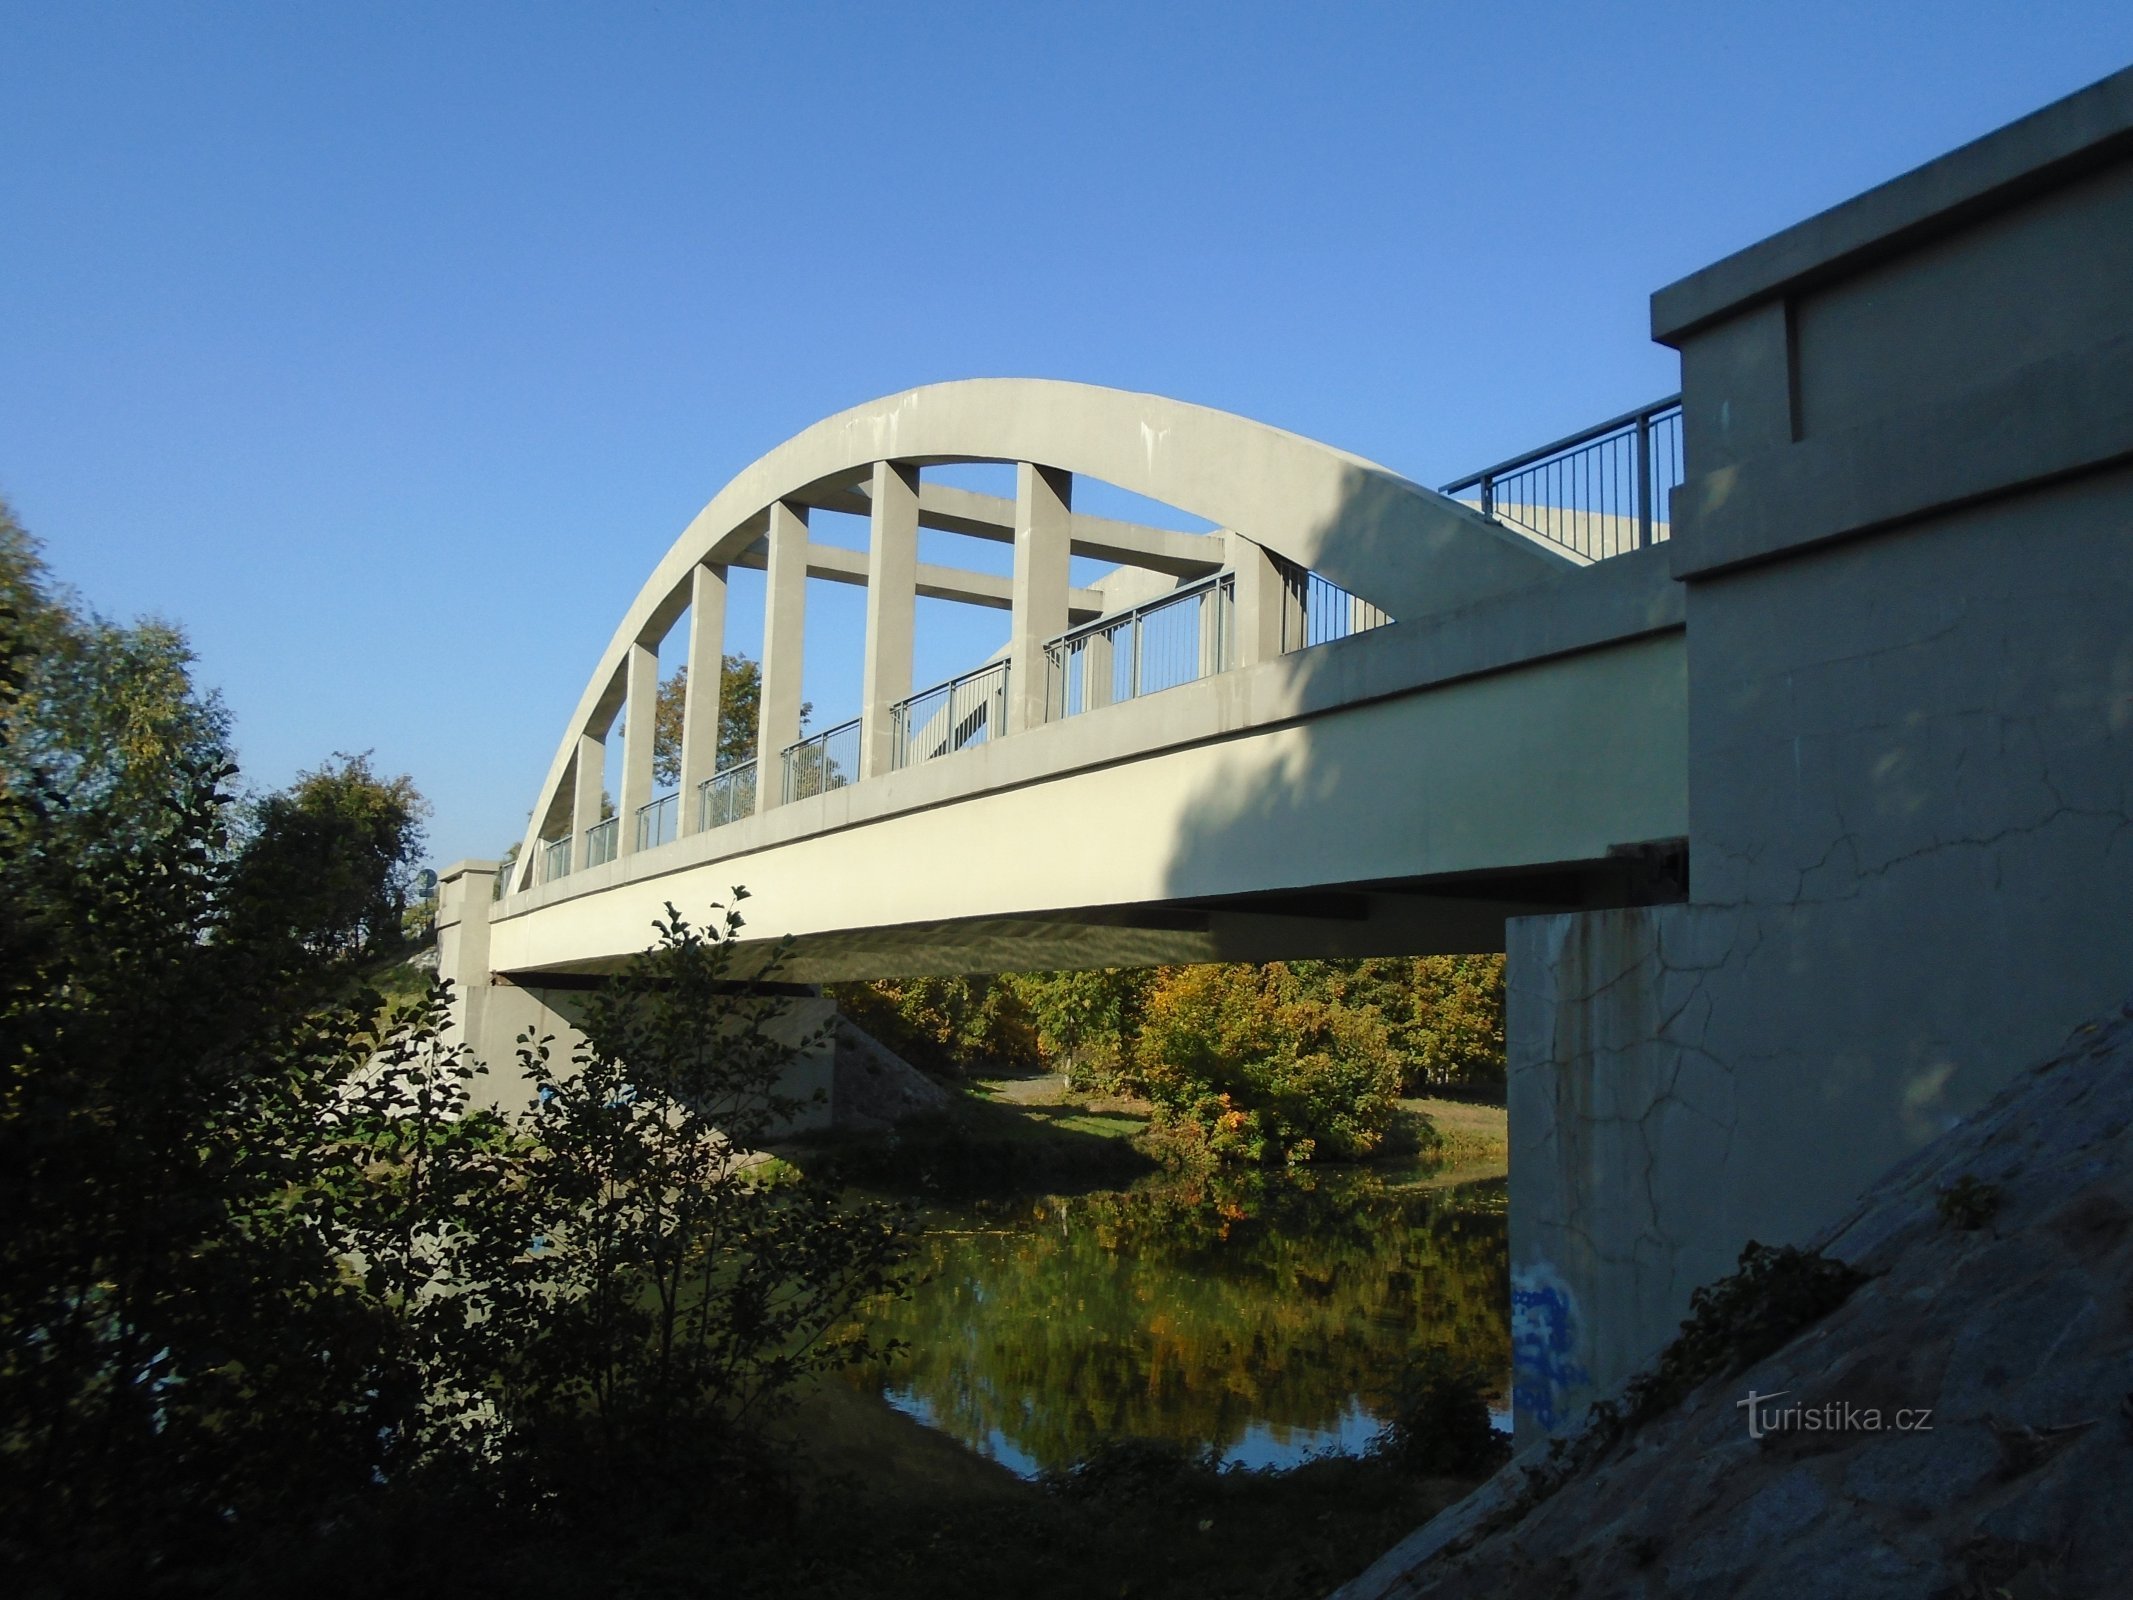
(1317, 610)
(1179, 637)
(726, 796)
(827, 760)
(555, 858)
(659, 822)
(601, 841)
(1599, 492)
(946, 718)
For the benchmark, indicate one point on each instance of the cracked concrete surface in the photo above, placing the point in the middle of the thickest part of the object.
(1911, 843)
(2006, 1347)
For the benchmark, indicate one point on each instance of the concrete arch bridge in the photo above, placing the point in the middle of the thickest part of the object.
(1873, 667)
(1358, 717)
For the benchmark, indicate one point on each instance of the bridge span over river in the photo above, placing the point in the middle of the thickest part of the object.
(1358, 718)
(1782, 733)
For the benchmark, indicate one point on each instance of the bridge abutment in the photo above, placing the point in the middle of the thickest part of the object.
(491, 1014)
(1906, 537)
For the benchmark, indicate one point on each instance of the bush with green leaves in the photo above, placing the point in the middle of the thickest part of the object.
(683, 1295)
(1246, 1065)
(945, 1026)
(1086, 1022)
(265, 1270)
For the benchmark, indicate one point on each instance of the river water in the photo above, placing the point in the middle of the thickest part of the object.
(1265, 1317)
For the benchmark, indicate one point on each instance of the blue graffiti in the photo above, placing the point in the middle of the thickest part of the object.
(1544, 1344)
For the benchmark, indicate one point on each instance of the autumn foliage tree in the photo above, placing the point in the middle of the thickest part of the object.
(740, 702)
(1250, 1061)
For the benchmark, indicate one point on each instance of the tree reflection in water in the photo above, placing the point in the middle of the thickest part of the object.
(1264, 1316)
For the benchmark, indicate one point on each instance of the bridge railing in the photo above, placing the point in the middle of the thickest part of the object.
(602, 840)
(1176, 638)
(829, 760)
(726, 796)
(659, 822)
(944, 719)
(1319, 610)
(1599, 492)
(555, 858)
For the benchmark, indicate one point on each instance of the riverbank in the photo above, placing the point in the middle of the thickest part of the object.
(1079, 1358)
(891, 1510)
(1021, 1130)
(1090, 1338)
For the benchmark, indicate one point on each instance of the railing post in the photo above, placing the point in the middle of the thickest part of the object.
(1488, 497)
(1644, 481)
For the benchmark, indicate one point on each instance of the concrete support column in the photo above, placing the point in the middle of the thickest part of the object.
(699, 705)
(1262, 601)
(892, 610)
(784, 625)
(465, 891)
(585, 793)
(638, 734)
(1043, 534)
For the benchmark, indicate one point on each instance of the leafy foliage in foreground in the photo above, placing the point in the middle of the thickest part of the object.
(1741, 1318)
(682, 1296)
(265, 1271)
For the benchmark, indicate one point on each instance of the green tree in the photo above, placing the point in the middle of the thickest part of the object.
(1444, 1014)
(1086, 1022)
(181, 1350)
(946, 1026)
(685, 1294)
(263, 1267)
(331, 860)
(103, 719)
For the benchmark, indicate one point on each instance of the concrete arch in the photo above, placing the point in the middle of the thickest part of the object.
(1404, 548)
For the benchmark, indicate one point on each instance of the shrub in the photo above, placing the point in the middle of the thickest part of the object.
(1262, 1071)
(948, 1027)
(1440, 1420)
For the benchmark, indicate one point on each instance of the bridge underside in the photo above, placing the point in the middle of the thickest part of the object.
(1448, 916)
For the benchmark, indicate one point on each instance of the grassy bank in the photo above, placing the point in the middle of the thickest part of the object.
(1469, 1133)
(998, 1133)
(1031, 1130)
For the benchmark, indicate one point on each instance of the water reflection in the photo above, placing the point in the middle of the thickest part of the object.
(1265, 1317)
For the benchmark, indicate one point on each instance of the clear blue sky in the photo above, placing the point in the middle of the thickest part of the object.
(385, 348)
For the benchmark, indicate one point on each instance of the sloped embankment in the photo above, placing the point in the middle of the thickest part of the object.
(1997, 1300)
